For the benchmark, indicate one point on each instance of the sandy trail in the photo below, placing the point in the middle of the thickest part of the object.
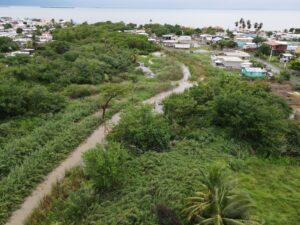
(97, 137)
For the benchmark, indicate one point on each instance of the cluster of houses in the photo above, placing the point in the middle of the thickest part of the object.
(238, 60)
(21, 31)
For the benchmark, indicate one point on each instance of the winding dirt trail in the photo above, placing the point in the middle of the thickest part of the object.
(31, 202)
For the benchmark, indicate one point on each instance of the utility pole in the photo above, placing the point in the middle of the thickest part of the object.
(271, 54)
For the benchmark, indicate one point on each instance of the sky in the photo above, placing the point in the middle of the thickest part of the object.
(188, 4)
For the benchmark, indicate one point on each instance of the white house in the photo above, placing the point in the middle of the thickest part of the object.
(183, 46)
(185, 39)
(250, 45)
(240, 54)
(228, 62)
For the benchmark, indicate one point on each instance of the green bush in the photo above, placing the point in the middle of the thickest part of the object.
(7, 44)
(142, 130)
(285, 75)
(295, 65)
(293, 138)
(80, 91)
(248, 112)
(78, 203)
(104, 165)
(17, 99)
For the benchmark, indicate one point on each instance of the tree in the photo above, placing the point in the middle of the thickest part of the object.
(255, 25)
(7, 26)
(226, 43)
(104, 165)
(141, 130)
(60, 47)
(295, 65)
(236, 24)
(219, 203)
(269, 33)
(110, 92)
(180, 109)
(264, 50)
(7, 45)
(243, 25)
(249, 25)
(248, 118)
(19, 30)
(258, 40)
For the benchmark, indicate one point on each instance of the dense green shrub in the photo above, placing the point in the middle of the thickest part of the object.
(285, 75)
(7, 44)
(166, 216)
(60, 47)
(248, 112)
(263, 50)
(293, 138)
(104, 165)
(142, 130)
(17, 99)
(77, 204)
(249, 118)
(295, 65)
(80, 91)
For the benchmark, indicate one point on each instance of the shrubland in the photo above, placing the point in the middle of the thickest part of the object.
(228, 140)
(50, 102)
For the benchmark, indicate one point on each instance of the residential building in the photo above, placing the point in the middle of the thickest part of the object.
(277, 46)
(253, 72)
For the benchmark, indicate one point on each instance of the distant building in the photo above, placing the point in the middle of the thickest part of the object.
(286, 57)
(228, 62)
(249, 46)
(241, 41)
(297, 51)
(240, 54)
(253, 72)
(185, 39)
(182, 46)
(277, 46)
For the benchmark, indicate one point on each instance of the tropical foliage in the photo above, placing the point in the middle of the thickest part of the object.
(142, 130)
(219, 204)
(104, 165)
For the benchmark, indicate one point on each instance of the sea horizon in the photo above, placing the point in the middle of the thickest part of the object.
(147, 8)
(272, 19)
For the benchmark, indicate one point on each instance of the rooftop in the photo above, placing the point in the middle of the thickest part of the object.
(254, 69)
(275, 43)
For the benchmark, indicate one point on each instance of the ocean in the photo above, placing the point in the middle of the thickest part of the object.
(272, 19)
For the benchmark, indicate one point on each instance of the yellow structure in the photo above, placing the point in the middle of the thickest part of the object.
(298, 50)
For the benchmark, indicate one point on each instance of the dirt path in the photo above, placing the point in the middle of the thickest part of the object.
(97, 137)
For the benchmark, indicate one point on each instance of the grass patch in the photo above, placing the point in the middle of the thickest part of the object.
(169, 177)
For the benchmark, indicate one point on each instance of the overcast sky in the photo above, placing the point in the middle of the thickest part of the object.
(199, 4)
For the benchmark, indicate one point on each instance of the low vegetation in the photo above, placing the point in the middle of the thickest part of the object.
(230, 141)
(52, 101)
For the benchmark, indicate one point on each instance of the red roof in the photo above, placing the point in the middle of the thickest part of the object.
(274, 43)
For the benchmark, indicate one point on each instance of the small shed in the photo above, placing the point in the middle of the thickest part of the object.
(183, 46)
(253, 72)
(229, 62)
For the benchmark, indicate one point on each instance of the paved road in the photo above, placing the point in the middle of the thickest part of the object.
(269, 65)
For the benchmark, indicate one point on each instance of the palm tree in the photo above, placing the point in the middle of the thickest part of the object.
(255, 26)
(219, 204)
(242, 22)
(249, 25)
(236, 24)
(260, 26)
(244, 25)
